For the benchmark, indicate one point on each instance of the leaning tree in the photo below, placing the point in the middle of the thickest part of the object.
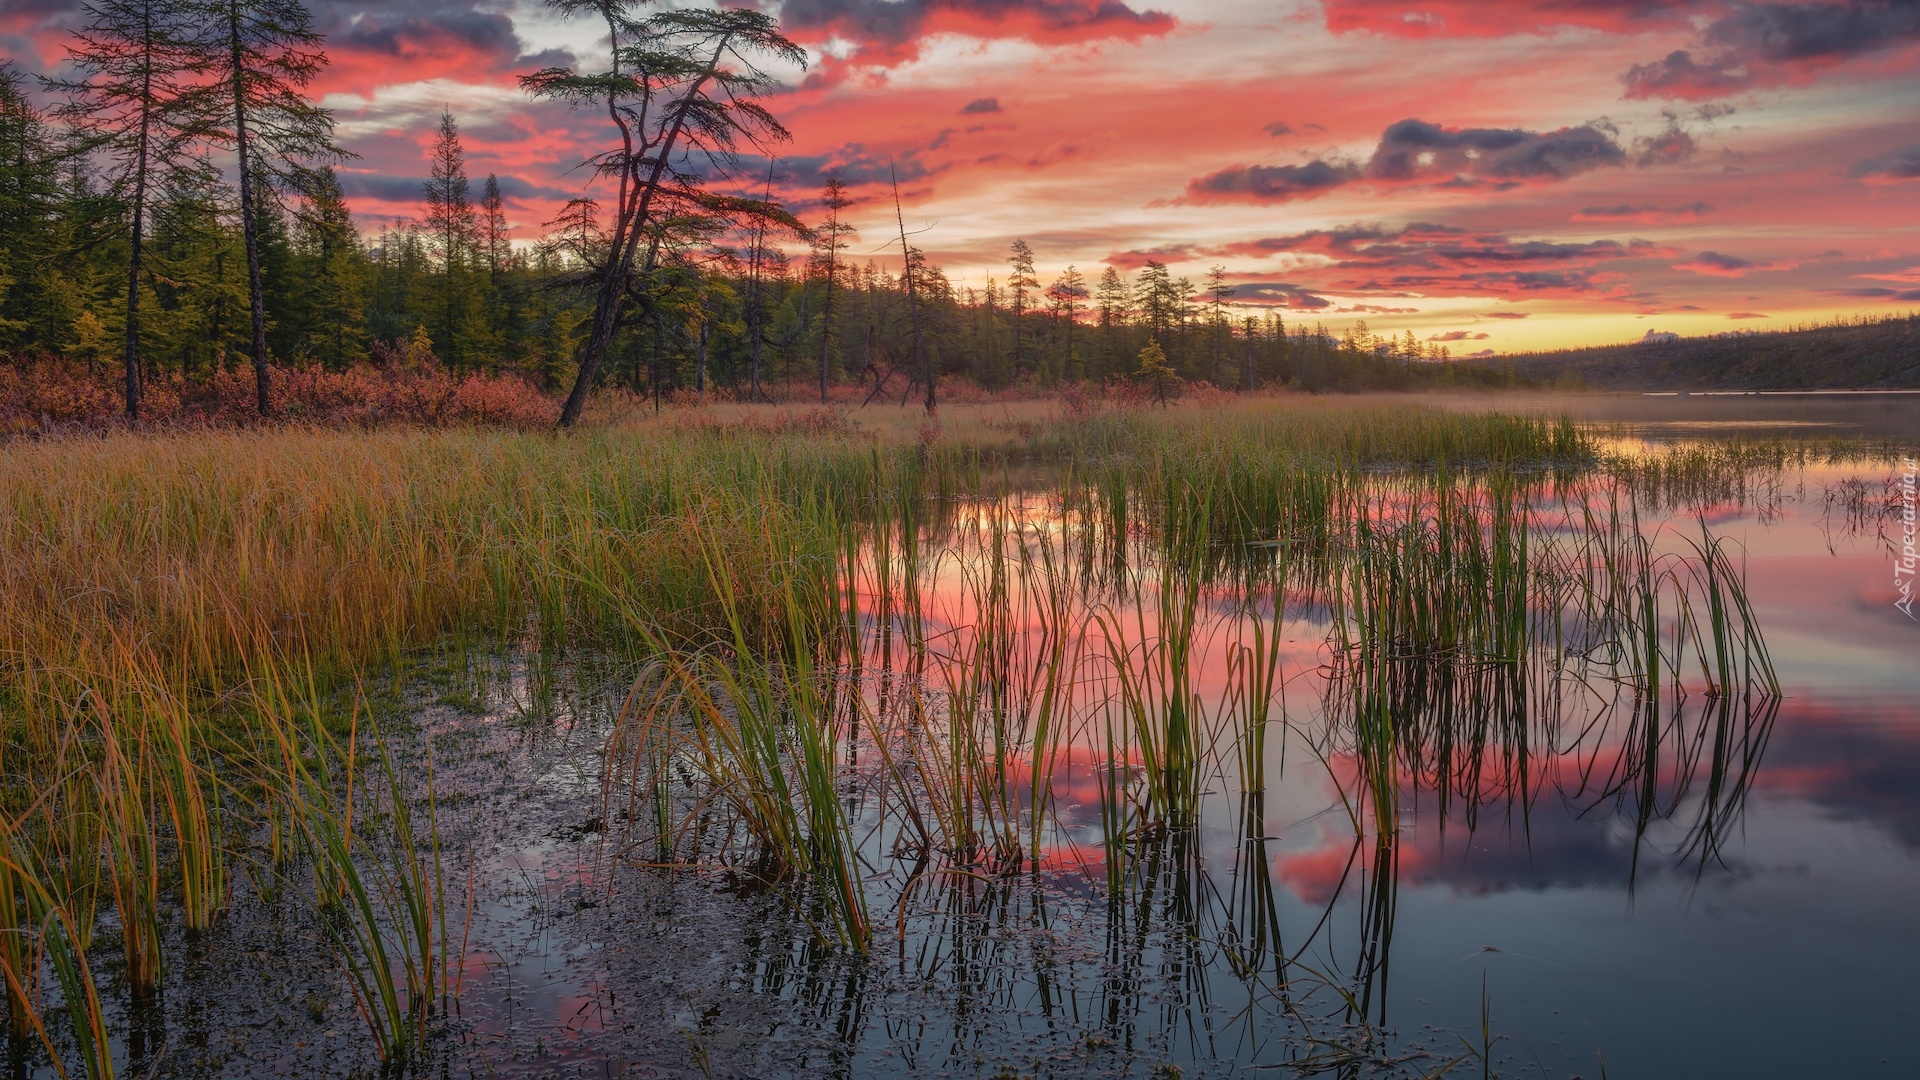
(682, 95)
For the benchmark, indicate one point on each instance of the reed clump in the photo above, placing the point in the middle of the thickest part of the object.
(176, 610)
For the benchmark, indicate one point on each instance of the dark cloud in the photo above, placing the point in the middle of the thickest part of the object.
(1645, 213)
(1767, 44)
(1278, 128)
(1485, 18)
(854, 165)
(1280, 294)
(1505, 315)
(1857, 763)
(1890, 168)
(1139, 257)
(1671, 147)
(410, 189)
(1881, 292)
(1747, 315)
(980, 105)
(1459, 335)
(885, 32)
(1415, 149)
(1417, 152)
(1273, 183)
(393, 189)
(393, 40)
(1725, 264)
(1677, 75)
(409, 29)
(1429, 259)
(1715, 264)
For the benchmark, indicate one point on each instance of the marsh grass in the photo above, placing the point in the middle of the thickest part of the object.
(852, 647)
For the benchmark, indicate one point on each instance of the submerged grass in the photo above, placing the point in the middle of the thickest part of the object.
(175, 611)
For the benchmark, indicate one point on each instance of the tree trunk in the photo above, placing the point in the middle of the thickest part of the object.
(924, 363)
(826, 324)
(248, 226)
(132, 346)
(626, 241)
(700, 368)
(605, 315)
(131, 354)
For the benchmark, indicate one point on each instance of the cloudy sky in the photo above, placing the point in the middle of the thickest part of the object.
(1504, 174)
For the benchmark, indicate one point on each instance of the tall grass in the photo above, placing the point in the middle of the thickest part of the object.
(175, 612)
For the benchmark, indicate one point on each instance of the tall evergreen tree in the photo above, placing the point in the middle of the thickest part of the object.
(1068, 292)
(264, 54)
(829, 240)
(1111, 298)
(129, 106)
(451, 222)
(1219, 326)
(494, 242)
(333, 330)
(29, 209)
(1021, 285)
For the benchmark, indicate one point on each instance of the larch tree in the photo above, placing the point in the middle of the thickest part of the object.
(263, 55)
(326, 239)
(1021, 284)
(29, 211)
(450, 221)
(753, 302)
(1219, 326)
(1158, 297)
(1111, 298)
(829, 240)
(493, 226)
(682, 93)
(128, 105)
(1068, 292)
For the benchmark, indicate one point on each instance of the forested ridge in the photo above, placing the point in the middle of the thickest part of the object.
(1846, 353)
(132, 255)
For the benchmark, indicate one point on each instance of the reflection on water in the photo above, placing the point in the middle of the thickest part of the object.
(1514, 817)
(1530, 795)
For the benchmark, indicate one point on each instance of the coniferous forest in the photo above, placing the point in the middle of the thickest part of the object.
(173, 228)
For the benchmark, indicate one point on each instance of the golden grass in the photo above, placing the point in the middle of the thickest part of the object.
(156, 589)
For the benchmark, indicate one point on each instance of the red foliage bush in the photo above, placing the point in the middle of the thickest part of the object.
(38, 393)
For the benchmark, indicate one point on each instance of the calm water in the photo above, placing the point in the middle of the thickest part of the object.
(1539, 896)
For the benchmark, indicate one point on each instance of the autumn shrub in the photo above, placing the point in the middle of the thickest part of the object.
(42, 393)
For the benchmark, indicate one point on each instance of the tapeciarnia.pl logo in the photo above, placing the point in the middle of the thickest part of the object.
(1903, 565)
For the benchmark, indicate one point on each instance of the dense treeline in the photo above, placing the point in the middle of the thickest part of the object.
(1849, 352)
(127, 234)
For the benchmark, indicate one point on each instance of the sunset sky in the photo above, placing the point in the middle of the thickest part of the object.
(1501, 174)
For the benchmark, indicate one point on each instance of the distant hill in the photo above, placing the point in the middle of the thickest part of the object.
(1846, 354)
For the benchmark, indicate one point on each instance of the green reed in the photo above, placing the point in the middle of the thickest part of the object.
(1481, 574)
